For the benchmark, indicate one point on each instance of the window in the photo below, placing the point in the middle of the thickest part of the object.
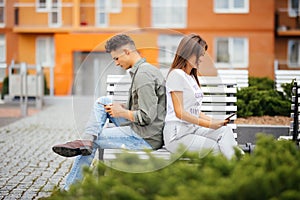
(2, 13)
(53, 8)
(294, 53)
(293, 8)
(55, 13)
(2, 57)
(115, 6)
(2, 48)
(167, 47)
(102, 10)
(231, 52)
(169, 13)
(231, 6)
(45, 51)
(42, 5)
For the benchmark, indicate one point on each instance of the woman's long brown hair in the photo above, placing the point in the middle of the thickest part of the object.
(190, 45)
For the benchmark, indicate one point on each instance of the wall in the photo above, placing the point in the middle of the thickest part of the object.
(66, 44)
(257, 26)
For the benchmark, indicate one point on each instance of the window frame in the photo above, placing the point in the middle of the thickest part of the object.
(57, 10)
(49, 51)
(40, 8)
(231, 64)
(3, 44)
(117, 8)
(168, 4)
(99, 10)
(291, 11)
(3, 64)
(289, 63)
(2, 24)
(231, 9)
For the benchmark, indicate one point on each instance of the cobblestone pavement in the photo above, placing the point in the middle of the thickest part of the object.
(29, 169)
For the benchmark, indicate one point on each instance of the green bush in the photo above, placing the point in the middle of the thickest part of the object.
(4, 87)
(260, 98)
(46, 89)
(271, 172)
(263, 83)
(287, 89)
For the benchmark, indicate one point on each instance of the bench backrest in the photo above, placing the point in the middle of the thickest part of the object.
(239, 75)
(285, 76)
(219, 94)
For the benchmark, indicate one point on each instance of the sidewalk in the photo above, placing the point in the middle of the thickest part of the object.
(29, 169)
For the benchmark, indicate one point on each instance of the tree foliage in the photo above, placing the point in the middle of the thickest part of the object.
(271, 172)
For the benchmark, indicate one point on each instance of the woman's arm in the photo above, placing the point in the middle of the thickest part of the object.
(204, 116)
(177, 99)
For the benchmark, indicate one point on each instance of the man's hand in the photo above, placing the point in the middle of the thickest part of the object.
(115, 109)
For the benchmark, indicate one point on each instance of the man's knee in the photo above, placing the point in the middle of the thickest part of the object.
(104, 100)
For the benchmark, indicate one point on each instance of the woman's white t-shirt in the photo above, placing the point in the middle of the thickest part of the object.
(178, 80)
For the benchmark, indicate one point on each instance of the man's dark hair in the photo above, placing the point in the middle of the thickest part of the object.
(118, 41)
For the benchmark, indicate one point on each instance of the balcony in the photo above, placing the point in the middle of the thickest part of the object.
(70, 17)
(287, 22)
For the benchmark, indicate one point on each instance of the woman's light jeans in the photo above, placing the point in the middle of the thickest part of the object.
(197, 138)
(108, 138)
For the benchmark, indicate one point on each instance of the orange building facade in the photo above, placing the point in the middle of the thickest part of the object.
(67, 37)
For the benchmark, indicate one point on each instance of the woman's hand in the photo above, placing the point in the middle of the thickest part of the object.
(215, 124)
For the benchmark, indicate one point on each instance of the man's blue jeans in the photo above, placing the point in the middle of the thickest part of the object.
(108, 138)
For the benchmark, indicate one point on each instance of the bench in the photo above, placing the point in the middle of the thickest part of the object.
(219, 101)
(285, 76)
(295, 109)
(239, 75)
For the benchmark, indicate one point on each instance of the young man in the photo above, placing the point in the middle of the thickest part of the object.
(139, 123)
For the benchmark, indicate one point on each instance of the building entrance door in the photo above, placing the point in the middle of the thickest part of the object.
(90, 73)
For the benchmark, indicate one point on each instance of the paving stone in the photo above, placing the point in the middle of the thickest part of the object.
(29, 195)
(42, 195)
(30, 170)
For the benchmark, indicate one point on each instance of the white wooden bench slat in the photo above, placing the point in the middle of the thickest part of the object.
(219, 99)
(110, 154)
(220, 90)
(210, 90)
(218, 115)
(287, 72)
(219, 108)
(233, 72)
(206, 99)
(204, 80)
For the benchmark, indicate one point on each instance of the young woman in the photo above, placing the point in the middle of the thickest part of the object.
(185, 123)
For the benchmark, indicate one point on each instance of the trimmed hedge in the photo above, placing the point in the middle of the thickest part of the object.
(271, 172)
(260, 98)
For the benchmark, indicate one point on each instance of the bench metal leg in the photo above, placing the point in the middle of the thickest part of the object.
(101, 153)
